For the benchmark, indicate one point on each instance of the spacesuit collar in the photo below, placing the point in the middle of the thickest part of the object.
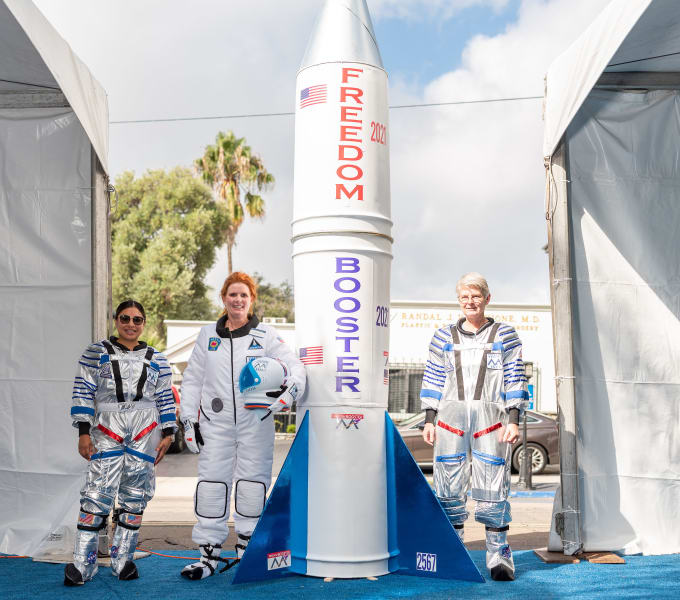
(223, 332)
(114, 340)
(459, 327)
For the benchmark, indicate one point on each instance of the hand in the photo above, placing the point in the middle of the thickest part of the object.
(429, 433)
(192, 436)
(85, 446)
(283, 399)
(162, 448)
(511, 433)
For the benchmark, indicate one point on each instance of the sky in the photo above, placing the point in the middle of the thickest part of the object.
(467, 181)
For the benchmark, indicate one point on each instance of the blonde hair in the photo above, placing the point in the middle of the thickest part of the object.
(239, 277)
(473, 279)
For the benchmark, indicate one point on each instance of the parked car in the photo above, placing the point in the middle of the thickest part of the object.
(179, 444)
(542, 441)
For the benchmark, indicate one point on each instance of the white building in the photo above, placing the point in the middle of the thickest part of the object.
(412, 324)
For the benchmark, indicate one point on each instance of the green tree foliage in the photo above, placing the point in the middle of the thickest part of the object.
(166, 229)
(236, 175)
(274, 301)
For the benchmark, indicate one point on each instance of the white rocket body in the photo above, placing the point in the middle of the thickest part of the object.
(342, 258)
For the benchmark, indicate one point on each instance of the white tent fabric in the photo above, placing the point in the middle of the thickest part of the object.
(623, 185)
(35, 56)
(46, 275)
(629, 35)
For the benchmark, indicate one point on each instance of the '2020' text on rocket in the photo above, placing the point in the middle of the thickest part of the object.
(349, 500)
(342, 257)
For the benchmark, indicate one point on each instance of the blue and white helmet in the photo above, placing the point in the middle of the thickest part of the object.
(260, 376)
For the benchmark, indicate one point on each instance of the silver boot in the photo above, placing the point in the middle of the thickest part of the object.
(84, 565)
(460, 531)
(243, 541)
(499, 555)
(124, 544)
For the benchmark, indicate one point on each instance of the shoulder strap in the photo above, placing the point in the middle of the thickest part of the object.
(482, 367)
(143, 376)
(456, 359)
(115, 370)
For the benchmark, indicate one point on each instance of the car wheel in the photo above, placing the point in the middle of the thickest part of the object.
(537, 456)
(179, 445)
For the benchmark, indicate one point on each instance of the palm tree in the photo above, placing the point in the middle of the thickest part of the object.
(235, 175)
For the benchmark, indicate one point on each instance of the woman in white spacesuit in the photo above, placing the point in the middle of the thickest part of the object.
(473, 392)
(235, 438)
(122, 400)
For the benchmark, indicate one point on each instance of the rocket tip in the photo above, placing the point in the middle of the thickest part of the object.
(343, 32)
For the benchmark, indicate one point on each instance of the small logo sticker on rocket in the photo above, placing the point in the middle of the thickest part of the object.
(278, 560)
(347, 420)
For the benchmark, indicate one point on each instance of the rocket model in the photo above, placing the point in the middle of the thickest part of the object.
(349, 501)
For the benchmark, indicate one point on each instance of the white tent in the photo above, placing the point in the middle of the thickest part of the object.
(54, 271)
(611, 147)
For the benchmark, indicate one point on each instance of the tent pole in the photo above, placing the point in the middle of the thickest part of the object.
(101, 251)
(568, 521)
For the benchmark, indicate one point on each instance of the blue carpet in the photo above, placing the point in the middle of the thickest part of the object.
(641, 577)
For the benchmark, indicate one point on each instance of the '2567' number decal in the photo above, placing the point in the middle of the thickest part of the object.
(426, 562)
(383, 316)
(378, 133)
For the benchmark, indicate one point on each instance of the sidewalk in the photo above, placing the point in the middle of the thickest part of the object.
(169, 517)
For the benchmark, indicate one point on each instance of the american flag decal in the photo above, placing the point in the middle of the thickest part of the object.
(386, 377)
(312, 355)
(314, 94)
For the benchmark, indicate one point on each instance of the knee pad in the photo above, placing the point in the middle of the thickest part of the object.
(90, 522)
(127, 520)
(250, 498)
(211, 499)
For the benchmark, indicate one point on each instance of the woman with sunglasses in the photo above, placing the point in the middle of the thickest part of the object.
(124, 410)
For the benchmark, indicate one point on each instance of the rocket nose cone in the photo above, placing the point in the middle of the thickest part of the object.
(343, 32)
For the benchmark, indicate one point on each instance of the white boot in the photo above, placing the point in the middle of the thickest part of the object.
(243, 541)
(206, 566)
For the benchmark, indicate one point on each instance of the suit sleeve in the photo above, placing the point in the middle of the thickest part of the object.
(192, 380)
(277, 348)
(434, 377)
(85, 385)
(514, 380)
(164, 398)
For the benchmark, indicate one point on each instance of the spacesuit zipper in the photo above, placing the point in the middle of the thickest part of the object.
(233, 392)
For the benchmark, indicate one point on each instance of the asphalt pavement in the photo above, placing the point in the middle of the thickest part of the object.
(169, 517)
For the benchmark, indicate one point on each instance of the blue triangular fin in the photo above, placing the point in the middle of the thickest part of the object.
(420, 536)
(274, 548)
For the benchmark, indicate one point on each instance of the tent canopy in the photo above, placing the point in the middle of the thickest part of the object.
(629, 35)
(36, 58)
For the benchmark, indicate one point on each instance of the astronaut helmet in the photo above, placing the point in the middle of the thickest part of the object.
(259, 376)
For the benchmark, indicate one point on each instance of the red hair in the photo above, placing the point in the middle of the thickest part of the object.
(245, 279)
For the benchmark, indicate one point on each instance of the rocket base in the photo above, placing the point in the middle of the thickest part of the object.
(421, 540)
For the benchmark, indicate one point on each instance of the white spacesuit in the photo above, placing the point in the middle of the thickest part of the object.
(237, 443)
(473, 381)
(124, 398)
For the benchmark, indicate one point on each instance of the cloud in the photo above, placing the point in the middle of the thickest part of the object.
(467, 181)
(420, 9)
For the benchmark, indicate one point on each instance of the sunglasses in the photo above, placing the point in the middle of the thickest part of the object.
(135, 320)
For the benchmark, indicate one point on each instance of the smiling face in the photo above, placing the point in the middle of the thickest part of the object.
(472, 302)
(237, 301)
(128, 330)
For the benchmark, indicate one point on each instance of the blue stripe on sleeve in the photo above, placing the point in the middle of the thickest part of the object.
(523, 394)
(82, 410)
(168, 417)
(430, 394)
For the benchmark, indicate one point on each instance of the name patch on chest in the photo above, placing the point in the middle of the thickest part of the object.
(494, 360)
(214, 344)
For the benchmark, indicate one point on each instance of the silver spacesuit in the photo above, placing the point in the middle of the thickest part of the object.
(472, 380)
(237, 454)
(126, 398)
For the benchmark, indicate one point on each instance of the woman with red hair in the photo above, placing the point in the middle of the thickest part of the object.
(236, 444)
